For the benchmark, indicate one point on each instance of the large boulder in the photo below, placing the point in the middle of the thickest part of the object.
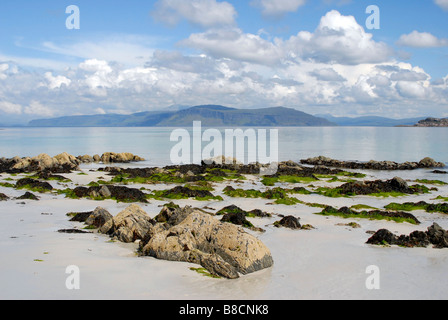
(190, 235)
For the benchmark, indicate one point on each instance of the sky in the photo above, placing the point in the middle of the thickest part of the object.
(339, 57)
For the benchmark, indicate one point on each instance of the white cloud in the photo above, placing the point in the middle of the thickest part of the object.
(56, 82)
(10, 108)
(412, 90)
(278, 7)
(442, 3)
(37, 109)
(421, 40)
(339, 39)
(234, 44)
(205, 13)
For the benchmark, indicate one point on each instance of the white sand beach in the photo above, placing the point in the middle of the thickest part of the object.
(328, 262)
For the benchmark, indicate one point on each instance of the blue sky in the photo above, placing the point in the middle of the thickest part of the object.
(316, 56)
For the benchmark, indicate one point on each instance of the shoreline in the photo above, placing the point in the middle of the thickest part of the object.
(327, 262)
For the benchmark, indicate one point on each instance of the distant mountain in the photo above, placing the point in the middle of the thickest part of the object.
(209, 115)
(369, 121)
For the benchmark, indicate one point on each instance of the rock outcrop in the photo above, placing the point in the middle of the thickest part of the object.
(61, 163)
(373, 165)
(378, 186)
(435, 235)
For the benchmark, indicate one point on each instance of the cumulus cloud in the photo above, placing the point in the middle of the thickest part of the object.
(235, 44)
(337, 39)
(278, 7)
(421, 40)
(340, 39)
(56, 82)
(205, 13)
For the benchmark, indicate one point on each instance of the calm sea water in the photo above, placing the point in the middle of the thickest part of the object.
(343, 143)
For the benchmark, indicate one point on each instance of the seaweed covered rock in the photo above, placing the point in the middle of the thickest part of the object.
(120, 193)
(435, 235)
(372, 214)
(290, 222)
(373, 165)
(33, 184)
(370, 187)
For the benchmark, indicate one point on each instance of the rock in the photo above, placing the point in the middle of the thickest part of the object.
(373, 165)
(368, 187)
(188, 193)
(85, 158)
(290, 222)
(120, 193)
(96, 158)
(438, 236)
(238, 218)
(35, 184)
(382, 237)
(125, 157)
(329, 210)
(28, 196)
(79, 216)
(105, 192)
(435, 235)
(73, 231)
(196, 237)
(3, 197)
(129, 225)
(98, 217)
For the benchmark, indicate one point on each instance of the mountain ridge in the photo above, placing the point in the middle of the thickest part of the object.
(209, 115)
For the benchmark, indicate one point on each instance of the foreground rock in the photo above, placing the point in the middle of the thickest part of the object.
(190, 235)
(373, 165)
(435, 235)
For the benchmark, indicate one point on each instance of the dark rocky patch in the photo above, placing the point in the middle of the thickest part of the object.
(28, 196)
(435, 235)
(73, 231)
(119, 193)
(370, 187)
(347, 212)
(34, 184)
(373, 165)
(290, 222)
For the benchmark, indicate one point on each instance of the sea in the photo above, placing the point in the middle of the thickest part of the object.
(398, 144)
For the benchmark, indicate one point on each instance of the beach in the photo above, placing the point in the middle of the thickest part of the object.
(326, 262)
